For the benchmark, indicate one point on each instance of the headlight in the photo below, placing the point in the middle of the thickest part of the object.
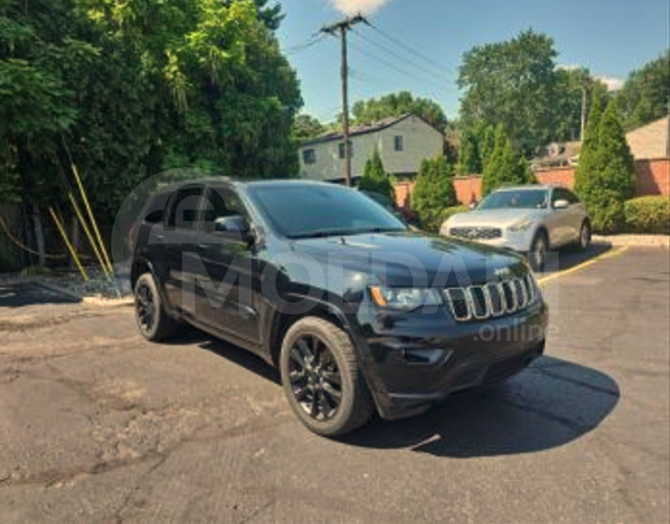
(524, 225)
(405, 299)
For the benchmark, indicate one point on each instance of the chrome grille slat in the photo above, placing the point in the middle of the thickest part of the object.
(492, 300)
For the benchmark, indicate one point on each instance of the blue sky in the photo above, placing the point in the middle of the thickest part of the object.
(610, 37)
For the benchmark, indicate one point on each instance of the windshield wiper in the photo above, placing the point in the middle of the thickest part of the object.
(326, 233)
(323, 233)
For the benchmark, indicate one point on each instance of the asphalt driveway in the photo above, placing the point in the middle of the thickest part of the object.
(97, 425)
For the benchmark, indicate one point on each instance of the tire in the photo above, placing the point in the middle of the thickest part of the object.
(584, 236)
(148, 303)
(538, 251)
(312, 389)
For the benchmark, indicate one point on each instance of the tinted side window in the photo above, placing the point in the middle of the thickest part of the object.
(222, 202)
(184, 208)
(561, 194)
(572, 198)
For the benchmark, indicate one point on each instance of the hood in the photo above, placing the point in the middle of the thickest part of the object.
(493, 218)
(409, 258)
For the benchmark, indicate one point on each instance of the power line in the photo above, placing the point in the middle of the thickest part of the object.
(393, 66)
(402, 59)
(294, 50)
(410, 49)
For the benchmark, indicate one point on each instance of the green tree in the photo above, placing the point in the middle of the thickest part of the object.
(376, 179)
(606, 173)
(397, 104)
(469, 158)
(433, 191)
(307, 127)
(506, 167)
(204, 86)
(512, 83)
(646, 93)
(487, 144)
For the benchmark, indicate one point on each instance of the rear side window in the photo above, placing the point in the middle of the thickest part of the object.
(184, 208)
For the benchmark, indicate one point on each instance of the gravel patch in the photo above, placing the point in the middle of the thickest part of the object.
(99, 290)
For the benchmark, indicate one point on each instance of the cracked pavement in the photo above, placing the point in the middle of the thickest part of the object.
(97, 425)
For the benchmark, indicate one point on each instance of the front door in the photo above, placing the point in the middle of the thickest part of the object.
(229, 273)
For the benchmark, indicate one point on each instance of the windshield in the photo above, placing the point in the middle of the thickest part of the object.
(310, 210)
(522, 199)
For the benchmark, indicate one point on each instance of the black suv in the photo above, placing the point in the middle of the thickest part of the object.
(358, 312)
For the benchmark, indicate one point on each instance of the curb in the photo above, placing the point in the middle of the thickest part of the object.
(658, 241)
(93, 301)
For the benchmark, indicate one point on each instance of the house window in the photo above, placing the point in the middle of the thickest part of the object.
(309, 156)
(351, 151)
(399, 143)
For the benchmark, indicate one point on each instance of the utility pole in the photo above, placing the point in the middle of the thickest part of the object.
(342, 28)
(581, 136)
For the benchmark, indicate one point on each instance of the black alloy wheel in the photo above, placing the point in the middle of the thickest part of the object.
(145, 305)
(315, 379)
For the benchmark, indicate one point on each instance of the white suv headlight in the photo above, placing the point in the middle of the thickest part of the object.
(523, 225)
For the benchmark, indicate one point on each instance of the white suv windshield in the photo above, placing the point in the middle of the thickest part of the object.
(522, 199)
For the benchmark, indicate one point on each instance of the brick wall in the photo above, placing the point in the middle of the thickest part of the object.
(653, 178)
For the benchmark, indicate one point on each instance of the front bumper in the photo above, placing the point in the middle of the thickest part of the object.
(521, 242)
(414, 361)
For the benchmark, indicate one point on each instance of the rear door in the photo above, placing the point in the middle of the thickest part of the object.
(180, 236)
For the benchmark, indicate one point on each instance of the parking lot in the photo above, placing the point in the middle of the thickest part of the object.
(97, 425)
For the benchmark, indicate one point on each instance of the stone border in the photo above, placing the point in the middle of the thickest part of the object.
(662, 241)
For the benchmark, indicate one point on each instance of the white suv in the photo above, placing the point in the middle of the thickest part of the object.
(528, 219)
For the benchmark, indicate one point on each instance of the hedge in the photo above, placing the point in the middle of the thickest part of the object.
(648, 215)
(434, 221)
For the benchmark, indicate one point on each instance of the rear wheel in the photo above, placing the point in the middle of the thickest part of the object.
(322, 379)
(152, 320)
(585, 236)
(538, 251)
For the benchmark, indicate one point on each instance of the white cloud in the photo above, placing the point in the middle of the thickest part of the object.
(353, 7)
(612, 83)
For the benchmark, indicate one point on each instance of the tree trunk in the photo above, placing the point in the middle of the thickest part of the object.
(39, 234)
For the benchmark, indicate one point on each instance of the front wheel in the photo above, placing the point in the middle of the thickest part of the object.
(322, 379)
(538, 252)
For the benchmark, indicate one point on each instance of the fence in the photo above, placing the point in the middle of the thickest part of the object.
(652, 178)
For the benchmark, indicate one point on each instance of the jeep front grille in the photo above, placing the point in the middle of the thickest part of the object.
(492, 300)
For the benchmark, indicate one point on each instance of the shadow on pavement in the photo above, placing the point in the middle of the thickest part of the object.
(552, 403)
(23, 295)
(565, 259)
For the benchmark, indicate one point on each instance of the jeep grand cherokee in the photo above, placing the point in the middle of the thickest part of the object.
(358, 312)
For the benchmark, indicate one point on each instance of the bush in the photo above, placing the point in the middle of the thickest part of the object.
(505, 167)
(434, 190)
(376, 179)
(605, 177)
(434, 220)
(648, 215)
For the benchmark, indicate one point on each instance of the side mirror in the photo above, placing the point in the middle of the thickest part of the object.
(234, 227)
(561, 204)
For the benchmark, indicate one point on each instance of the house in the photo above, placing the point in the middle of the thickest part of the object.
(403, 142)
(652, 141)
(557, 154)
